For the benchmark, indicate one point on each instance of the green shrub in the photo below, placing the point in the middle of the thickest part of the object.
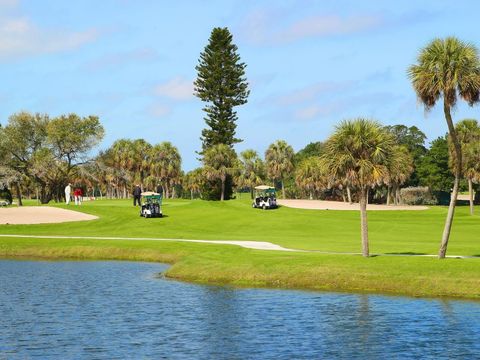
(420, 195)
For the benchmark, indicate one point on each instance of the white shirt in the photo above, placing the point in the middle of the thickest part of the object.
(68, 188)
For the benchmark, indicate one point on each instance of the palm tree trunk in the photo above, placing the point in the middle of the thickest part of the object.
(363, 221)
(458, 171)
(191, 194)
(470, 195)
(349, 195)
(283, 190)
(222, 196)
(388, 194)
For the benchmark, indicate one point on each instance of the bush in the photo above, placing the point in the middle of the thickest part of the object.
(420, 195)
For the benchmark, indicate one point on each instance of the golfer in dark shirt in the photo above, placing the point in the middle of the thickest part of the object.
(137, 193)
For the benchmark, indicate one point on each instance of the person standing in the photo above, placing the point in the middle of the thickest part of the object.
(137, 193)
(77, 194)
(159, 189)
(68, 190)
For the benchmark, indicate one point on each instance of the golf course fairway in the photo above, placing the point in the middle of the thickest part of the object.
(401, 233)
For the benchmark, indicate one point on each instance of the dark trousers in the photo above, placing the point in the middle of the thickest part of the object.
(136, 198)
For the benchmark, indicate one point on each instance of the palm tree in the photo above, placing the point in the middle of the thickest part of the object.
(220, 161)
(279, 161)
(468, 133)
(311, 175)
(359, 151)
(447, 68)
(166, 164)
(399, 171)
(193, 181)
(251, 170)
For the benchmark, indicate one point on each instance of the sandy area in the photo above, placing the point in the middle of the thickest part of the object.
(40, 215)
(337, 205)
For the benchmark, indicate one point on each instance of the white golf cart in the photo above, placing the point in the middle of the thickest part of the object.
(265, 197)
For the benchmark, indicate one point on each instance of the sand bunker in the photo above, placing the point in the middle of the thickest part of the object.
(337, 205)
(40, 215)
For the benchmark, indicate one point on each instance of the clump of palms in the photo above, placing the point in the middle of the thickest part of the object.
(311, 175)
(399, 171)
(468, 133)
(447, 68)
(279, 162)
(166, 166)
(193, 181)
(360, 151)
(252, 170)
(219, 162)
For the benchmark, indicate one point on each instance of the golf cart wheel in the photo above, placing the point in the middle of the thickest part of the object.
(264, 207)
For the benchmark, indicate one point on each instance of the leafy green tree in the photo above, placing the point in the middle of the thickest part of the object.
(447, 68)
(312, 149)
(279, 159)
(221, 83)
(398, 172)
(361, 151)
(433, 169)
(219, 162)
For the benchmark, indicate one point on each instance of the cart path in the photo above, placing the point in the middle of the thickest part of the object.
(256, 245)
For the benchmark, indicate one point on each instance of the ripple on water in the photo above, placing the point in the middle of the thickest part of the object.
(107, 310)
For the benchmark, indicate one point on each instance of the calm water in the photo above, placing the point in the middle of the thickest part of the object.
(108, 310)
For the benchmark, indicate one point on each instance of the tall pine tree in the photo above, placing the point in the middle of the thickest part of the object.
(221, 83)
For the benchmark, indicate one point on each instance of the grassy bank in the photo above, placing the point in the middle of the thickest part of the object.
(391, 232)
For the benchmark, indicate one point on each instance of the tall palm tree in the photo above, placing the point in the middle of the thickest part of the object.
(447, 68)
(468, 133)
(251, 170)
(220, 161)
(279, 161)
(360, 151)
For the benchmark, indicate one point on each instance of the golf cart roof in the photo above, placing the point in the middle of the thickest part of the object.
(264, 187)
(149, 193)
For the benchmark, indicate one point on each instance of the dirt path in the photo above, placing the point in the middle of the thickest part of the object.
(337, 205)
(40, 215)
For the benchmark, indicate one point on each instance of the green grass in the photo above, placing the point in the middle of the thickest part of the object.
(390, 232)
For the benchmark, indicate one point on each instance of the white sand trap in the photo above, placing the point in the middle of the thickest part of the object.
(40, 215)
(337, 205)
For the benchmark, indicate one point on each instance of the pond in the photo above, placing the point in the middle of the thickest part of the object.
(118, 310)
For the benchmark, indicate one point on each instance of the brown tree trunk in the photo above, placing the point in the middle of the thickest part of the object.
(470, 195)
(458, 172)
(19, 194)
(191, 194)
(349, 195)
(388, 194)
(283, 190)
(222, 196)
(363, 221)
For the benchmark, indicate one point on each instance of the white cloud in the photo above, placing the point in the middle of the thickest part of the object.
(177, 88)
(21, 37)
(266, 26)
(159, 111)
(329, 25)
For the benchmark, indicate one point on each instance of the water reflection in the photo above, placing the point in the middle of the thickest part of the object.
(108, 310)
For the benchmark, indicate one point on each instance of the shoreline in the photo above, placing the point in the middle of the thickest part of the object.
(208, 265)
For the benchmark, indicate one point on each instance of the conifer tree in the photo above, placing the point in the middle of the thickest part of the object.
(221, 83)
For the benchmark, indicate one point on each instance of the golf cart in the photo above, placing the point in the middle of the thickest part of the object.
(265, 197)
(151, 205)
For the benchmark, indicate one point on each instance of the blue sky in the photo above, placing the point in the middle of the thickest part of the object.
(310, 64)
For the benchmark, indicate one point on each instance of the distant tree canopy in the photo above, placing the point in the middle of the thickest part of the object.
(433, 169)
(48, 151)
(312, 149)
